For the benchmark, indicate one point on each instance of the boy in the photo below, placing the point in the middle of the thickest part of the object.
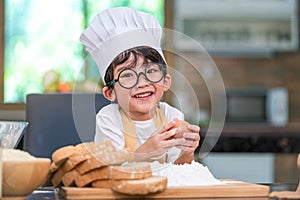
(126, 47)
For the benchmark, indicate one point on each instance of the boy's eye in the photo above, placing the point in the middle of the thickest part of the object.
(152, 69)
(126, 74)
(149, 71)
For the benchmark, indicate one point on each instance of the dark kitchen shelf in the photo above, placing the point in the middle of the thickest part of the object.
(243, 138)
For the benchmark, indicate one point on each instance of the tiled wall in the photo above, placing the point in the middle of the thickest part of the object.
(278, 70)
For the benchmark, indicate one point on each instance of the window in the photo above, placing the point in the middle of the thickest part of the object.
(42, 52)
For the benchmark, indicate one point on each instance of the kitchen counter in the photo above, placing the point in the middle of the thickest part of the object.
(256, 138)
(49, 192)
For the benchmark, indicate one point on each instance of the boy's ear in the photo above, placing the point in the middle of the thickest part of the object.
(109, 93)
(167, 82)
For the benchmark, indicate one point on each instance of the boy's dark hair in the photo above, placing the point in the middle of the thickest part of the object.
(147, 52)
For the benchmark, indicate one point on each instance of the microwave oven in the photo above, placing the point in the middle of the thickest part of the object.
(257, 105)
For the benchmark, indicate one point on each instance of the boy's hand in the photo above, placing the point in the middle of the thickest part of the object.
(159, 142)
(188, 143)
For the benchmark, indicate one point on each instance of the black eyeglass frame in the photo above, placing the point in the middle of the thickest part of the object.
(112, 82)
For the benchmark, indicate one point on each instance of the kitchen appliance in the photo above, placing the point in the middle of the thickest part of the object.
(257, 105)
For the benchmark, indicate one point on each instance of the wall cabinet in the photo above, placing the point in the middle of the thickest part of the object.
(243, 26)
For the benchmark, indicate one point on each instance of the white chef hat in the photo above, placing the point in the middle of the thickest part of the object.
(115, 30)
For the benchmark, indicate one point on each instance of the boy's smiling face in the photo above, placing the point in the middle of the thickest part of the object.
(139, 101)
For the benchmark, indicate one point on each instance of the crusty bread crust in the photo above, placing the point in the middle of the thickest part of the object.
(101, 159)
(56, 178)
(104, 183)
(103, 166)
(60, 155)
(96, 174)
(68, 178)
(152, 184)
(128, 172)
(53, 168)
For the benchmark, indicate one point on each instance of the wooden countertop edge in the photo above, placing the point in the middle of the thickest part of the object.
(233, 189)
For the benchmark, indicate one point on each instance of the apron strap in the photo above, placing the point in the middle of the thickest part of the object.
(130, 137)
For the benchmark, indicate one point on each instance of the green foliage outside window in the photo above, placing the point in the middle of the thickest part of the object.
(42, 43)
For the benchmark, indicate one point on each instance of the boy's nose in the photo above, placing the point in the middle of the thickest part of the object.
(142, 80)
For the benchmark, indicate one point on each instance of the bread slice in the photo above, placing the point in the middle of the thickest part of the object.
(129, 172)
(105, 183)
(53, 168)
(137, 170)
(68, 178)
(96, 174)
(79, 151)
(57, 176)
(145, 186)
(103, 158)
(60, 155)
(67, 158)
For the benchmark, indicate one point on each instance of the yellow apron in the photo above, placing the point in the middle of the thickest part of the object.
(130, 137)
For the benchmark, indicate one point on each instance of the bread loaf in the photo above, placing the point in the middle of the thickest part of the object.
(83, 158)
(67, 158)
(129, 171)
(152, 184)
(103, 166)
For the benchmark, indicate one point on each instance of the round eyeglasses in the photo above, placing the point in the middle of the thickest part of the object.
(128, 77)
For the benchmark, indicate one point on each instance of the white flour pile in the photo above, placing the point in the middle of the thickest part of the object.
(16, 155)
(194, 174)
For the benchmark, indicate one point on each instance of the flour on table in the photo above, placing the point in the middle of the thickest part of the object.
(194, 174)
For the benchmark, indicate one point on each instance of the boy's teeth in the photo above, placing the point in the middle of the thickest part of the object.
(143, 95)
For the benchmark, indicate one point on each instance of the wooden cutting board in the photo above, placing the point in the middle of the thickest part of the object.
(230, 189)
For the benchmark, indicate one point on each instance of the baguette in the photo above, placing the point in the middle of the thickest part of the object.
(149, 185)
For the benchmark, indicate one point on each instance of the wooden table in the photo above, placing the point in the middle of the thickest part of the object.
(49, 192)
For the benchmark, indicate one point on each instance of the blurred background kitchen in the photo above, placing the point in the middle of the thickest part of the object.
(254, 44)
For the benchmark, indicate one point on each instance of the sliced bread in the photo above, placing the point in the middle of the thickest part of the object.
(60, 155)
(137, 170)
(127, 172)
(105, 183)
(96, 174)
(101, 159)
(68, 178)
(145, 186)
